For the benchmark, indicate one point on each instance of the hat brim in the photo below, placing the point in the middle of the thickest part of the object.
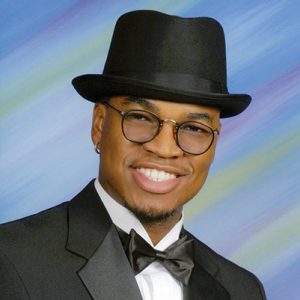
(94, 87)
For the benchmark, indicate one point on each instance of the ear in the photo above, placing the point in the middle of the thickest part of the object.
(98, 121)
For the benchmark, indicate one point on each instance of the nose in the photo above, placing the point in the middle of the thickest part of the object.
(164, 144)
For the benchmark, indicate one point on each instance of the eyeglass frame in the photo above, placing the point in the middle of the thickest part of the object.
(161, 123)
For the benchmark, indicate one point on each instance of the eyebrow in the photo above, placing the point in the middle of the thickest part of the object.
(141, 101)
(151, 106)
(201, 116)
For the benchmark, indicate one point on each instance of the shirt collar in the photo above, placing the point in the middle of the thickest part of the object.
(126, 220)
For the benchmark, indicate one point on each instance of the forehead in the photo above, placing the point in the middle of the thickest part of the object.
(168, 109)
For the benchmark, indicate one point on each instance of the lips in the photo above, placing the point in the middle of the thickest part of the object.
(156, 175)
(158, 180)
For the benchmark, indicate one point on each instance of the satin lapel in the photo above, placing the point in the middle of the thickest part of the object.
(106, 273)
(89, 222)
(203, 284)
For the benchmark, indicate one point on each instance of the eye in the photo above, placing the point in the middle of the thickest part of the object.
(138, 116)
(192, 128)
(195, 128)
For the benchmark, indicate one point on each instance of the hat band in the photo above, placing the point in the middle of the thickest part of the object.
(175, 81)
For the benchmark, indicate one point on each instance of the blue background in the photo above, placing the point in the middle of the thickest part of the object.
(249, 209)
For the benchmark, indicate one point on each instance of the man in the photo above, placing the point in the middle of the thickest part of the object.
(156, 123)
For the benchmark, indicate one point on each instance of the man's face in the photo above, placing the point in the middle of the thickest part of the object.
(129, 171)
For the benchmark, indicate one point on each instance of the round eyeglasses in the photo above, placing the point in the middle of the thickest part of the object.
(141, 126)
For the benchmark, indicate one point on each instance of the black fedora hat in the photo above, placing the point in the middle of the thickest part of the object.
(159, 56)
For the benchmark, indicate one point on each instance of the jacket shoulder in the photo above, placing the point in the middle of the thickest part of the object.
(241, 283)
(26, 237)
(46, 228)
(22, 245)
(23, 228)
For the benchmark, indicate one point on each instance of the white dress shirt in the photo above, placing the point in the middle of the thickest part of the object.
(155, 282)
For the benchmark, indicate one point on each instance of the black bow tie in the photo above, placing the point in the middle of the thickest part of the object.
(177, 258)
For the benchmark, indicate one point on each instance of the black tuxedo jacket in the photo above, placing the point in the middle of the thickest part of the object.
(73, 251)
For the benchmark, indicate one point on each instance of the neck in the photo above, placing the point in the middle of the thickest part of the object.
(158, 230)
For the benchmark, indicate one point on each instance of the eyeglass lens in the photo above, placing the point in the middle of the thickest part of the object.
(142, 126)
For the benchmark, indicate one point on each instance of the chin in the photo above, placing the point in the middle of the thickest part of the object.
(151, 215)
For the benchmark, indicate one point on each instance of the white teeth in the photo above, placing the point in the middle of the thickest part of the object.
(156, 175)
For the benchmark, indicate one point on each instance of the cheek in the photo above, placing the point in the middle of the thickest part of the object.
(112, 138)
(201, 167)
(116, 153)
(111, 148)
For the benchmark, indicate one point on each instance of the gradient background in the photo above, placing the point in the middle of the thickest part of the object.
(249, 210)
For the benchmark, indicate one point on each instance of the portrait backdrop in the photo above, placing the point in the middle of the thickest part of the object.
(249, 209)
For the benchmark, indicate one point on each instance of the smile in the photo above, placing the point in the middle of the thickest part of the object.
(156, 175)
